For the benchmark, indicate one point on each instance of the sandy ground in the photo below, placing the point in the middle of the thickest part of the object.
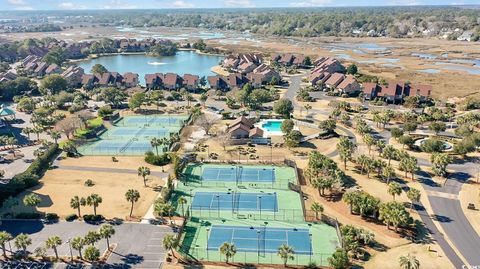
(59, 185)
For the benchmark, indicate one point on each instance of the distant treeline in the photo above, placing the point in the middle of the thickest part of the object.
(416, 21)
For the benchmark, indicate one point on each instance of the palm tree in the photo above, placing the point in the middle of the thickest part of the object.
(409, 262)
(55, 136)
(389, 152)
(169, 242)
(4, 238)
(106, 231)
(345, 148)
(132, 196)
(369, 141)
(76, 203)
(388, 172)
(286, 253)
(182, 201)
(27, 131)
(394, 189)
(92, 237)
(307, 108)
(144, 172)
(414, 196)
(22, 241)
(31, 200)
(37, 131)
(94, 200)
(317, 208)
(156, 142)
(12, 141)
(229, 250)
(78, 243)
(53, 242)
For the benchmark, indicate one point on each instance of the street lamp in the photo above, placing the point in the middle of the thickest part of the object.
(206, 246)
(310, 247)
(70, 246)
(218, 205)
(258, 246)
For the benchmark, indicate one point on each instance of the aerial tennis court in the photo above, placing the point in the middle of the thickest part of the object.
(260, 239)
(235, 201)
(239, 174)
(132, 135)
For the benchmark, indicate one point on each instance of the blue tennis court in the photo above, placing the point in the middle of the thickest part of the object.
(155, 121)
(239, 174)
(237, 201)
(260, 239)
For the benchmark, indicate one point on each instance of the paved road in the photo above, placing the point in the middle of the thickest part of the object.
(136, 245)
(162, 175)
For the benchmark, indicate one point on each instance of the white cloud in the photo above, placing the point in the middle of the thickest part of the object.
(17, 2)
(311, 3)
(182, 4)
(238, 3)
(117, 4)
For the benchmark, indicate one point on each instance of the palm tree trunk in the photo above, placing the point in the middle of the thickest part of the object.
(144, 181)
(4, 252)
(79, 215)
(80, 253)
(94, 210)
(56, 253)
(108, 243)
(131, 210)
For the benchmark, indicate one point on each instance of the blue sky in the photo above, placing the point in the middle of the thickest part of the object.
(133, 4)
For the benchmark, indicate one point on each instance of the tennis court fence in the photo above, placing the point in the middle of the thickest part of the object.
(289, 215)
(217, 184)
(202, 254)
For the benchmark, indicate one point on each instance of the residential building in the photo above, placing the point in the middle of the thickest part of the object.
(154, 81)
(191, 82)
(334, 80)
(349, 85)
(130, 80)
(73, 75)
(172, 81)
(217, 83)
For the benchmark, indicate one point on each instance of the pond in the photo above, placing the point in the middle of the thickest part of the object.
(184, 62)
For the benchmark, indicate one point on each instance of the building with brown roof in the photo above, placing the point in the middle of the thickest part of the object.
(334, 80)
(73, 75)
(349, 85)
(154, 81)
(217, 83)
(172, 81)
(256, 133)
(52, 69)
(191, 82)
(370, 90)
(130, 80)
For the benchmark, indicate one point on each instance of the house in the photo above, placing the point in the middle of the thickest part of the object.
(299, 60)
(110, 79)
(334, 80)
(422, 91)
(73, 75)
(392, 92)
(191, 82)
(130, 80)
(235, 81)
(240, 128)
(328, 64)
(154, 81)
(172, 81)
(52, 69)
(8, 76)
(318, 77)
(370, 90)
(262, 75)
(41, 69)
(246, 67)
(256, 133)
(349, 85)
(217, 83)
(286, 59)
(89, 81)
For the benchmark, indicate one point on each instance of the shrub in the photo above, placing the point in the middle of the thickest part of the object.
(432, 145)
(28, 215)
(51, 216)
(71, 217)
(89, 183)
(160, 160)
(92, 218)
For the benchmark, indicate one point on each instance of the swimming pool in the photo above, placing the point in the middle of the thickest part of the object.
(272, 126)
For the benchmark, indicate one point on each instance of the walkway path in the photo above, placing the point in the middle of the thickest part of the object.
(162, 175)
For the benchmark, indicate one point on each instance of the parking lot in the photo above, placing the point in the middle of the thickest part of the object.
(135, 245)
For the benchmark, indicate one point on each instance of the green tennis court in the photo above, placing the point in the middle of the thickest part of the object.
(132, 135)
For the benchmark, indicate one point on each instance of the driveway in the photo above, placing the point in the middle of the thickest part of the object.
(135, 245)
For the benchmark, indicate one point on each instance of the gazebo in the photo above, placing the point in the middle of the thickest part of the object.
(6, 112)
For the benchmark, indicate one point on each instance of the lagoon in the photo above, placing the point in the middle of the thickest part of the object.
(184, 62)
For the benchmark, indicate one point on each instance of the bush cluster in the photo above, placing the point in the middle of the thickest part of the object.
(92, 218)
(160, 160)
(71, 217)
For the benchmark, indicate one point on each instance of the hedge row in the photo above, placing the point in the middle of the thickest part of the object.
(30, 177)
